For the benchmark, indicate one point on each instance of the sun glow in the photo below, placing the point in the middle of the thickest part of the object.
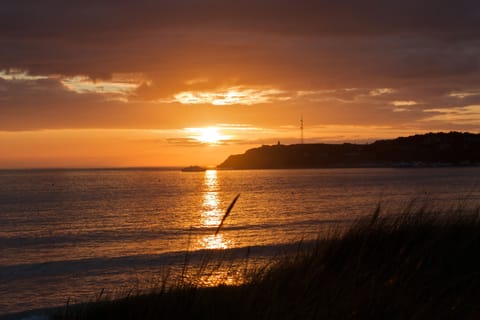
(208, 135)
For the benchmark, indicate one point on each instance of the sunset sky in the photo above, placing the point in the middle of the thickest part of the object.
(180, 82)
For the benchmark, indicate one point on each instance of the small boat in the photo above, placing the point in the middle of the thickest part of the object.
(194, 169)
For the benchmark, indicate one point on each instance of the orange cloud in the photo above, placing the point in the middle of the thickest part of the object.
(468, 115)
(119, 85)
(233, 95)
(401, 103)
(19, 75)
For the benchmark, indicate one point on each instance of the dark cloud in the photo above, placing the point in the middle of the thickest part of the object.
(424, 50)
(100, 37)
(33, 18)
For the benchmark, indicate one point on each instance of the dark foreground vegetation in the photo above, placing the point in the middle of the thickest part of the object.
(421, 265)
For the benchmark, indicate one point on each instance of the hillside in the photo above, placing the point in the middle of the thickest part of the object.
(432, 149)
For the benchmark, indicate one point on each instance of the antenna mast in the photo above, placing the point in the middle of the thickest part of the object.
(301, 128)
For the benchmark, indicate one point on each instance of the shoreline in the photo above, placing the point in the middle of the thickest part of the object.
(386, 166)
(178, 169)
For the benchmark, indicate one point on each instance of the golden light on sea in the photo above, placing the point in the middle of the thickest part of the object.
(212, 214)
(215, 242)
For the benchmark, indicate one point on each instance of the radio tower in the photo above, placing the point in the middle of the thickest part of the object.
(301, 128)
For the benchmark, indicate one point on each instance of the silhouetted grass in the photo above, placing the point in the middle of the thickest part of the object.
(415, 265)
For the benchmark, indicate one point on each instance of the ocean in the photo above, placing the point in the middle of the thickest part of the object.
(67, 235)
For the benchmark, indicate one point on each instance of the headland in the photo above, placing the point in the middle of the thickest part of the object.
(427, 150)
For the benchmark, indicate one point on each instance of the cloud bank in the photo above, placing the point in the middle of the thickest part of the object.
(166, 64)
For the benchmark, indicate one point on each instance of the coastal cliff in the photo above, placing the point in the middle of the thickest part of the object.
(432, 149)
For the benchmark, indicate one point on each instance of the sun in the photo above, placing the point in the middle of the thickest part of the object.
(208, 135)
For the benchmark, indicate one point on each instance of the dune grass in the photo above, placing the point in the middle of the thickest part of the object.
(419, 264)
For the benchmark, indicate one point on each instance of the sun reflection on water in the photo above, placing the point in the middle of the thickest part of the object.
(211, 215)
(215, 242)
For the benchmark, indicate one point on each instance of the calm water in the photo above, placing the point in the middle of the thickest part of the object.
(70, 234)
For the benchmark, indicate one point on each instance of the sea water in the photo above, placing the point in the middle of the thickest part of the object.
(67, 235)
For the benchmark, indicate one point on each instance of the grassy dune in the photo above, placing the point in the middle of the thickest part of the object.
(415, 265)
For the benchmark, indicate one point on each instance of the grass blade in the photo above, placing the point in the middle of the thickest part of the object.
(230, 207)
